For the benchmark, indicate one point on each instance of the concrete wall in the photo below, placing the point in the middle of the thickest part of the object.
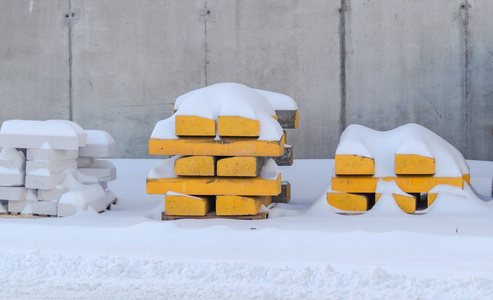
(119, 65)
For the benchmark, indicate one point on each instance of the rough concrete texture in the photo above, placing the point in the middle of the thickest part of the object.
(405, 64)
(131, 60)
(287, 46)
(480, 78)
(378, 63)
(34, 71)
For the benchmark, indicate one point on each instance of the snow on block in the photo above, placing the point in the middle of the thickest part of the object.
(103, 170)
(228, 205)
(54, 167)
(216, 147)
(409, 184)
(255, 186)
(11, 177)
(99, 144)
(412, 164)
(236, 126)
(347, 164)
(285, 108)
(185, 205)
(48, 154)
(349, 202)
(407, 203)
(194, 126)
(196, 165)
(285, 194)
(287, 158)
(38, 134)
(240, 166)
(42, 179)
(11, 158)
(53, 194)
(81, 134)
(17, 193)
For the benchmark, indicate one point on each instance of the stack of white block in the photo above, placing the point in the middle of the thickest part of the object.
(61, 174)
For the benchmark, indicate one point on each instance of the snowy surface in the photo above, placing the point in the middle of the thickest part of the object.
(407, 139)
(303, 251)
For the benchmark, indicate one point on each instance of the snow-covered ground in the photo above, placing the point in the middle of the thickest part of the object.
(302, 251)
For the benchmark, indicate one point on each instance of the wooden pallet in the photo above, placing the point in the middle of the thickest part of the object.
(212, 215)
(108, 207)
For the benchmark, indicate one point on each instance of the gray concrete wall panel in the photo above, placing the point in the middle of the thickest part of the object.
(288, 46)
(34, 71)
(480, 98)
(405, 63)
(131, 59)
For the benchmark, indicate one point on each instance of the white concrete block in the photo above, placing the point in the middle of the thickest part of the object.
(51, 155)
(66, 209)
(81, 134)
(85, 162)
(43, 180)
(24, 206)
(50, 195)
(103, 170)
(38, 134)
(13, 193)
(45, 208)
(4, 206)
(11, 177)
(104, 185)
(99, 144)
(12, 159)
(54, 167)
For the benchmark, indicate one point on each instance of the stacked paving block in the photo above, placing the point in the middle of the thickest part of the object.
(411, 155)
(222, 138)
(40, 170)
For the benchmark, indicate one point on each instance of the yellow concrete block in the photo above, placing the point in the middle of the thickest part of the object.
(194, 126)
(238, 126)
(409, 164)
(348, 202)
(431, 198)
(406, 203)
(255, 186)
(221, 147)
(354, 165)
(196, 166)
(238, 205)
(467, 178)
(239, 166)
(409, 184)
(265, 200)
(184, 205)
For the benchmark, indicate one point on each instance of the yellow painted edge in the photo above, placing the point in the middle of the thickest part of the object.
(194, 126)
(354, 165)
(296, 119)
(406, 203)
(183, 205)
(222, 147)
(431, 198)
(348, 202)
(195, 165)
(236, 126)
(215, 186)
(239, 166)
(410, 164)
(227, 205)
(409, 184)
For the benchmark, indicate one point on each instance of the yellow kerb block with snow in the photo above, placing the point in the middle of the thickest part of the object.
(194, 126)
(348, 202)
(228, 205)
(238, 126)
(411, 164)
(196, 166)
(185, 205)
(346, 164)
(238, 166)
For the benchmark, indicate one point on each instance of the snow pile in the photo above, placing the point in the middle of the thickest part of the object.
(407, 139)
(386, 204)
(225, 99)
(49, 168)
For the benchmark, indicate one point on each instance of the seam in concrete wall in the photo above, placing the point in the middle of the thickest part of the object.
(466, 6)
(205, 13)
(342, 47)
(69, 16)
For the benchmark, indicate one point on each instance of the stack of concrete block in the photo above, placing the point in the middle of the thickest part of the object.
(42, 159)
(222, 160)
(411, 155)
